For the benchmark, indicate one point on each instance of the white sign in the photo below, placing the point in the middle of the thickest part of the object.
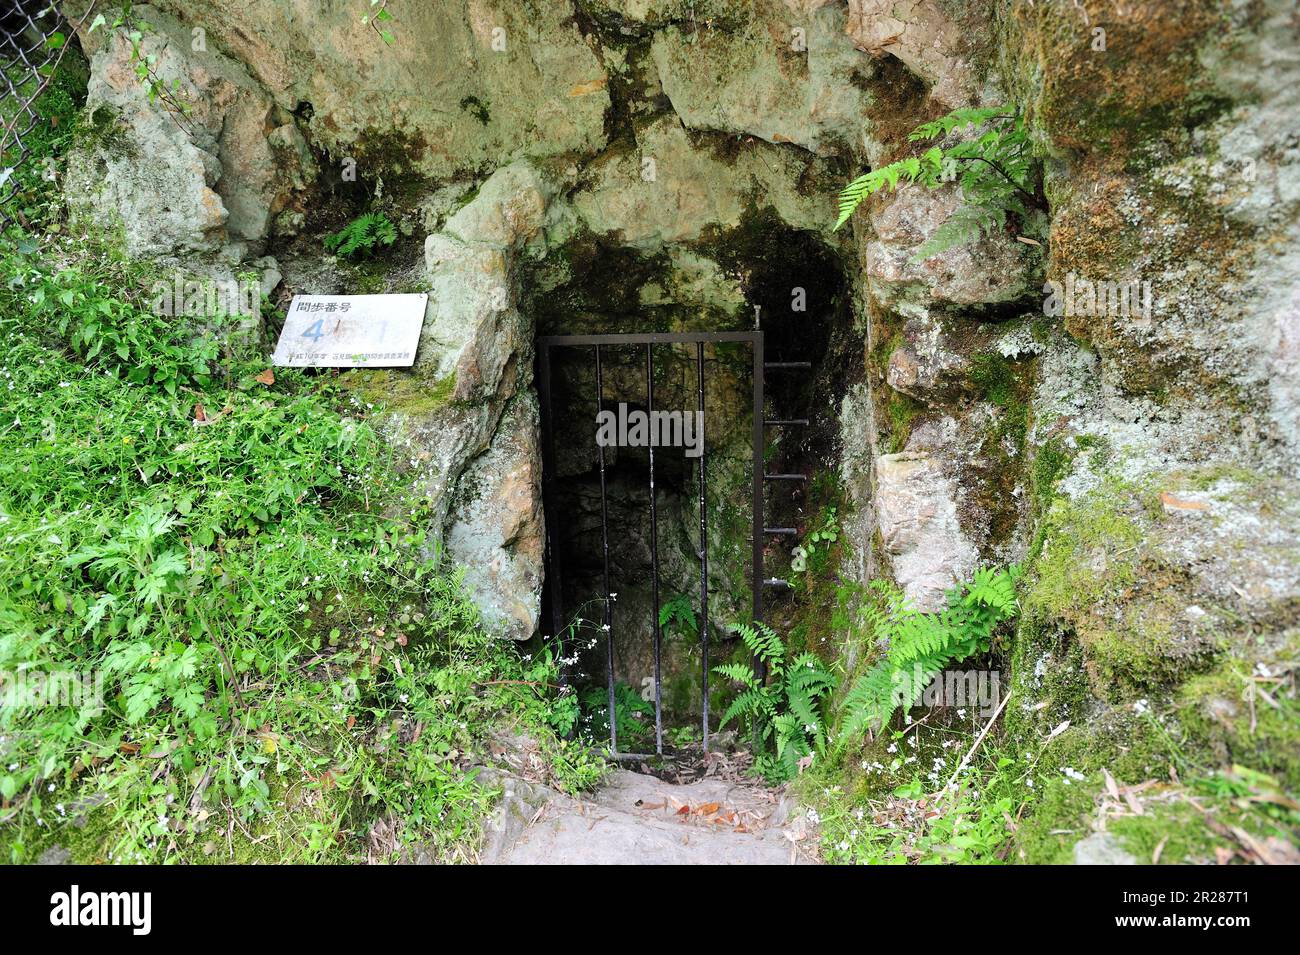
(351, 331)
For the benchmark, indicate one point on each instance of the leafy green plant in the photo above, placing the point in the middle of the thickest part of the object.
(635, 716)
(677, 616)
(683, 736)
(995, 169)
(363, 235)
(279, 658)
(808, 555)
(786, 709)
(56, 93)
(378, 19)
(575, 767)
(907, 826)
(921, 644)
(135, 29)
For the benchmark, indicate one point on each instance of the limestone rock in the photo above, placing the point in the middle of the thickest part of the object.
(469, 427)
(183, 182)
(782, 76)
(465, 84)
(1102, 848)
(669, 190)
(986, 270)
(916, 510)
(920, 34)
(497, 534)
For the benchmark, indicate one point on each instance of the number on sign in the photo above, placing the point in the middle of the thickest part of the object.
(315, 331)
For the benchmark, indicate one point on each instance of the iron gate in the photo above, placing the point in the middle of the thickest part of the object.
(649, 340)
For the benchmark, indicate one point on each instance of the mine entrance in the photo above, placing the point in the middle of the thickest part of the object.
(639, 444)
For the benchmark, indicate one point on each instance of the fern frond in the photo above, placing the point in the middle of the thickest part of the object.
(867, 702)
(363, 233)
(965, 225)
(751, 703)
(958, 119)
(742, 673)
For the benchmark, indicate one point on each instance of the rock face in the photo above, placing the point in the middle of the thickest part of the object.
(509, 78)
(917, 513)
(669, 190)
(785, 76)
(924, 36)
(1111, 400)
(175, 181)
(477, 449)
(986, 271)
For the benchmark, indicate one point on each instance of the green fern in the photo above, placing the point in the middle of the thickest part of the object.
(995, 170)
(921, 645)
(785, 711)
(365, 233)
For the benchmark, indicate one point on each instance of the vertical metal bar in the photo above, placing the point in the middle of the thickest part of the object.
(654, 545)
(704, 543)
(757, 439)
(548, 502)
(608, 620)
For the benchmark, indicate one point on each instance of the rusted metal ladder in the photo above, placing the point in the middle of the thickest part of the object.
(779, 531)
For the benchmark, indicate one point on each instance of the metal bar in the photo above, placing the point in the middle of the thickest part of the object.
(654, 550)
(781, 530)
(548, 502)
(785, 477)
(608, 620)
(787, 364)
(652, 338)
(778, 422)
(757, 441)
(755, 339)
(704, 548)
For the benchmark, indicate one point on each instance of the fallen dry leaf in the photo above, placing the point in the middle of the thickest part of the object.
(267, 377)
(1169, 501)
(1111, 787)
(1160, 847)
(583, 89)
(1060, 728)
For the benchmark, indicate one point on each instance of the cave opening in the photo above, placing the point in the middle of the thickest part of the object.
(791, 290)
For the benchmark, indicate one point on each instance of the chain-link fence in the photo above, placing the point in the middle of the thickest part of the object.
(34, 40)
